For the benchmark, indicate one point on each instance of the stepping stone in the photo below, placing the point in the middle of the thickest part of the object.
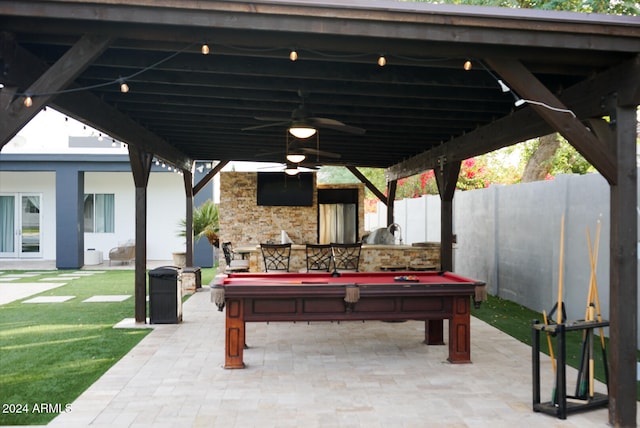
(57, 278)
(12, 292)
(108, 298)
(49, 299)
(21, 275)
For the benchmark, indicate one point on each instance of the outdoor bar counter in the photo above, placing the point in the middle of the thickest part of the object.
(374, 257)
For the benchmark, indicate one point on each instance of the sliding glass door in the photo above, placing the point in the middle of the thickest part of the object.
(20, 225)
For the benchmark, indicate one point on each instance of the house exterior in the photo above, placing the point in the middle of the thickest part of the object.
(74, 194)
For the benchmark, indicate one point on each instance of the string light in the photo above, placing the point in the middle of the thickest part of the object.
(205, 49)
(467, 65)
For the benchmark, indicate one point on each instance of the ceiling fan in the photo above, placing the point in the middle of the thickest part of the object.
(302, 124)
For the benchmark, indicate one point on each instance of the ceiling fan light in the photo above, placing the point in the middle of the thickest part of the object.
(302, 132)
(291, 170)
(296, 157)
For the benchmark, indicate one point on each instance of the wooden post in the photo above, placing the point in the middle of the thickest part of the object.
(391, 197)
(140, 167)
(188, 190)
(623, 270)
(447, 178)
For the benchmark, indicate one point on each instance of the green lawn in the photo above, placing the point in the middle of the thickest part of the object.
(51, 352)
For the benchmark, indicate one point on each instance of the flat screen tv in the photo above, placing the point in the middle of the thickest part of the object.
(280, 189)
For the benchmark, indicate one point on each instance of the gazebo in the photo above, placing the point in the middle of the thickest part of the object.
(397, 85)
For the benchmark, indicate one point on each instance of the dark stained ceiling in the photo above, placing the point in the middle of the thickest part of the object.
(421, 108)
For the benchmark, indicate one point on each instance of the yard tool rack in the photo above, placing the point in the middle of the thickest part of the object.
(561, 404)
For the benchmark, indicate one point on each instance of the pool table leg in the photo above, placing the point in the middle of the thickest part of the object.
(433, 334)
(234, 334)
(460, 331)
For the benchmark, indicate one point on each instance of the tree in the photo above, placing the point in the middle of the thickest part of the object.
(539, 164)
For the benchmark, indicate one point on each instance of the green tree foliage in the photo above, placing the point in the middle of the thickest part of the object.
(567, 159)
(614, 7)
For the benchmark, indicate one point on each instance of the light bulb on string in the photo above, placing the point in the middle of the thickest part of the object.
(205, 49)
(467, 65)
(293, 55)
(28, 101)
(382, 61)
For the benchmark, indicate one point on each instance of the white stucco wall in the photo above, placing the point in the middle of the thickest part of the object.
(165, 207)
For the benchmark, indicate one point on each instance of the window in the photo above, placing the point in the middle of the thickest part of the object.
(99, 213)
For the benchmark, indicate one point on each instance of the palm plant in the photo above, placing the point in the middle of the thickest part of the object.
(205, 223)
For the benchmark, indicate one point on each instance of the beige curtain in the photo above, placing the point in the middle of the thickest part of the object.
(337, 223)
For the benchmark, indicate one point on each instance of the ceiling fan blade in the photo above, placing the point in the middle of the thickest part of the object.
(323, 122)
(273, 119)
(266, 125)
(322, 153)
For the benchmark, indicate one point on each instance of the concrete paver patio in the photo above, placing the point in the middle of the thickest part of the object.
(348, 374)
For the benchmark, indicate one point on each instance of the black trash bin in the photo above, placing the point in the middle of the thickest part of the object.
(165, 295)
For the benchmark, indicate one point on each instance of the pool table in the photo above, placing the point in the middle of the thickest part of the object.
(351, 296)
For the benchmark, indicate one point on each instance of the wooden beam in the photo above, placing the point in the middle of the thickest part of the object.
(548, 106)
(207, 178)
(141, 168)
(519, 126)
(84, 107)
(89, 109)
(360, 176)
(50, 82)
(584, 98)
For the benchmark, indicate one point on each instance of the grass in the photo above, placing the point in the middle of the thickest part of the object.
(51, 352)
(515, 320)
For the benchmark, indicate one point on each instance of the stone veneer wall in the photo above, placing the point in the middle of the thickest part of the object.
(244, 223)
